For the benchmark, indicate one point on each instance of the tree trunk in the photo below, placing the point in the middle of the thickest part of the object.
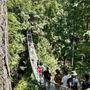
(4, 68)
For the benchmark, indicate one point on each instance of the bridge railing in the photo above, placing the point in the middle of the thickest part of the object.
(32, 54)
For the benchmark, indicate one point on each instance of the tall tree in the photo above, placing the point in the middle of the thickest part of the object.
(4, 67)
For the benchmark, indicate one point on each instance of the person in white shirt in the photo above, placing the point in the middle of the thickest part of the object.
(64, 79)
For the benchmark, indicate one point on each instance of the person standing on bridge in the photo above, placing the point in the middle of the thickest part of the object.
(40, 71)
(58, 79)
(86, 83)
(47, 77)
(73, 82)
(38, 62)
(65, 78)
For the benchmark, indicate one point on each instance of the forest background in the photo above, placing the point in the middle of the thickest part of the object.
(61, 37)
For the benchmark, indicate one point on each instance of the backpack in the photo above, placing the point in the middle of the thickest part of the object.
(58, 79)
(72, 83)
(85, 85)
(47, 75)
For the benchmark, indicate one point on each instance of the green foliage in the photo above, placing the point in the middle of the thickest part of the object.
(16, 40)
(27, 84)
(58, 26)
(45, 54)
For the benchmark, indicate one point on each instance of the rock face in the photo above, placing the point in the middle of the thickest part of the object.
(4, 67)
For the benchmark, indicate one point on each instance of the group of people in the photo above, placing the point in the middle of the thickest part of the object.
(44, 73)
(66, 80)
(63, 80)
(71, 81)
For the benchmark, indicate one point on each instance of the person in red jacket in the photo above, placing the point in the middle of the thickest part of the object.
(40, 71)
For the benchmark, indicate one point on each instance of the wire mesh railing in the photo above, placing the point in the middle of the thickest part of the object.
(32, 54)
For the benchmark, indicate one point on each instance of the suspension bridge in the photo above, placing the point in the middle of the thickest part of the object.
(33, 60)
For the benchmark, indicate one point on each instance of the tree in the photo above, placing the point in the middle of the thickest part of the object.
(4, 66)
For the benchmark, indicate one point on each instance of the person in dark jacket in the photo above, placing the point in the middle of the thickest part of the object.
(86, 82)
(47, 77)
(73, 82)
